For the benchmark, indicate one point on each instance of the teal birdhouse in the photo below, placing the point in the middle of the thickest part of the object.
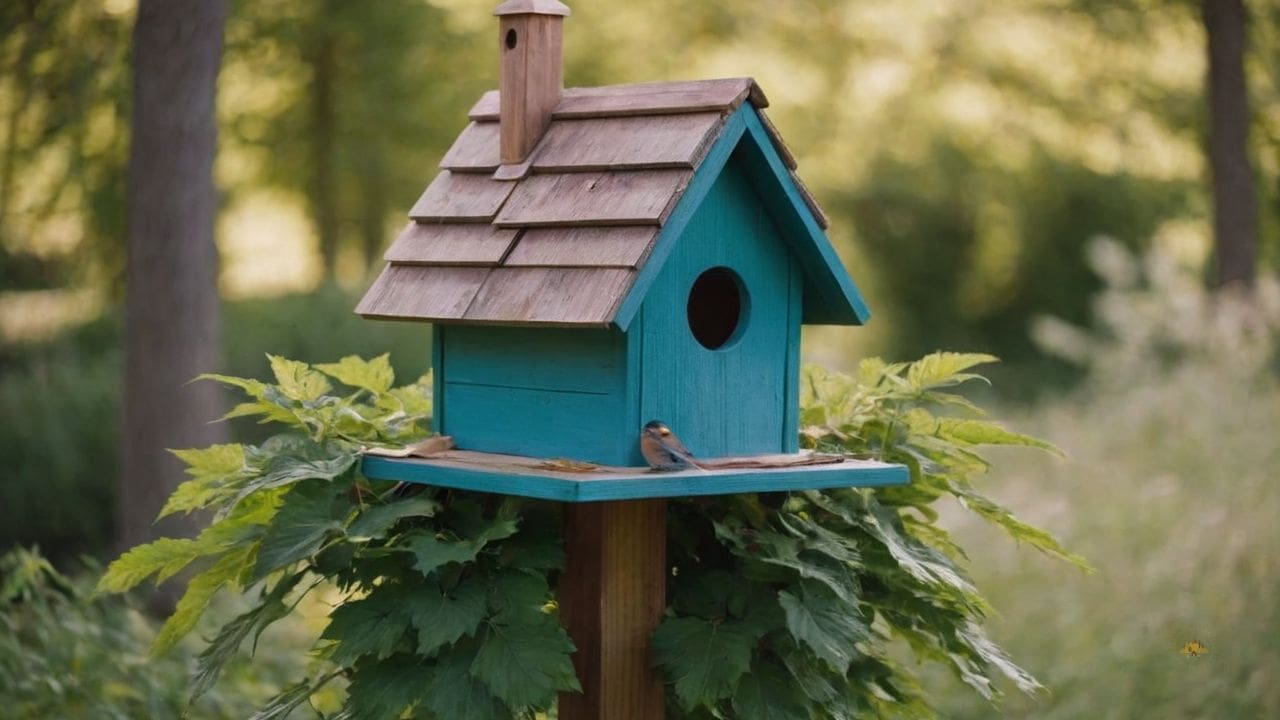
(594, 258)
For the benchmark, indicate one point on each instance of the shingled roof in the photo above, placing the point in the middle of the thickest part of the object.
(563, 240)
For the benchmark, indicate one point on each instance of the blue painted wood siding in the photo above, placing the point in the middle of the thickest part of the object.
(733, 400)
(540, 392)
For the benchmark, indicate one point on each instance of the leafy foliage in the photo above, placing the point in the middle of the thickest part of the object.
(780, 606)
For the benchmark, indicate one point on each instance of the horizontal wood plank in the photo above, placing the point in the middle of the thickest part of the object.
(660, 98)
(450, 244)
(641, 197)
(475, 150)
(565, 296)
(667, 141)
(421, 292)
(526, 477)
(461, 197)
(583, 247)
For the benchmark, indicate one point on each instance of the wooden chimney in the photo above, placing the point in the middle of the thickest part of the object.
(530, 40)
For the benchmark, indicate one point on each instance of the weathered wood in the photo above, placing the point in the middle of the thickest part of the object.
(538, 7)
(663, 98)
(583, 247)
(811, 202)
(475, 150)
(612, 596)
(640, 197)
(461, 197)
(422, 292)
(778, 143)
(531, 80)
(450, 244)
(669, 141)
(538, 478)
(567, 296)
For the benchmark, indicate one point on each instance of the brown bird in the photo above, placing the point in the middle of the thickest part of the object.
(663, 450)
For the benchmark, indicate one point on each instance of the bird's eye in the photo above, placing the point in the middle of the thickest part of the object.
(664, 431)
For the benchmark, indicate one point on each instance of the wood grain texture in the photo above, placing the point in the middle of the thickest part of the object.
(523, 477)
(422, 292)
(662, 98)
(612, 597)
(475, 150)
(666, 141)
(461, 197)
(565, 296)
(531, 80)
(450, 244)
(625, 246)
(640, 197)
(569, 359)
(486, 108)
(811, 202)
(537, 7)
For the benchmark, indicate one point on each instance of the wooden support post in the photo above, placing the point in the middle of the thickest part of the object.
(612, 596)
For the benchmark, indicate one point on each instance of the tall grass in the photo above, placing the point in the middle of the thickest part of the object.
(1172, 492)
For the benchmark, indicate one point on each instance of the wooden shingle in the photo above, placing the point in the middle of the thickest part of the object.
(583, 247)
(551, 296)
(642, 197)
(461, 197)
(422, 292)
(450, 244)
(475, 150)
(660, 98)
(669, 141)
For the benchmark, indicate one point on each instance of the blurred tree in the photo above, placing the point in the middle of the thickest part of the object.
(1235, 200)
(171, 298)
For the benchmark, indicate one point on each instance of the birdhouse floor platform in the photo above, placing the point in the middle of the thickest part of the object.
(572, 481)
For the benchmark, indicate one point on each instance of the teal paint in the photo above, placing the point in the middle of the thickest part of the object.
(437, 379)
(565, 487)
(726, 401)
(791, 381)
(541, 392)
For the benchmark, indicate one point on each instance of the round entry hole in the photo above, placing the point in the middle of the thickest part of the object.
(717, 305)
(511, 39)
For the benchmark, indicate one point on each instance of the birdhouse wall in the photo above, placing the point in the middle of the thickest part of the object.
(536, 391)
(740, 398)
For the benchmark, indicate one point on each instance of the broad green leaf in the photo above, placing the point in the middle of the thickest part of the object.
(163, 558)
(917, 559)
(383, 689)
(431, 553)
(374, 522)
(990, 653)
(442, 618)
(320, 462)
(767, 693)
(223, 647)
(983, 432)
(213, 461)
(372, 625)
(280, 705)
(375, 375)
(455, 693)
(704, 659)
(200, 591)
(308, 514)
(829, 627)
(516, 591)
(1017, 529)
(526, 663)
(297, 380)
(942, 369)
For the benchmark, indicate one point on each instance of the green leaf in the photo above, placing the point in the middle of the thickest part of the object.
(375, 375)
(280, 705)
(983, 432)
(200, 591)
(297, 380)
(942, 369)
(372, 625)
(704, 659)
(163, 558)
(525, 662)
(384, 689)
(213, 461)
(829, 627)
(455, 693)
(442, 618)
(430, 553)
(1017, 529)
(309, 513)
(309, 461)
(374, 522)
(223, 647)
(767, 693)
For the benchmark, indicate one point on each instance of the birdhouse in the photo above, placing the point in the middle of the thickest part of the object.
(594, 258)
(591, 259)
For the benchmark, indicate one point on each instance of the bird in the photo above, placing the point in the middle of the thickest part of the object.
(663, 450)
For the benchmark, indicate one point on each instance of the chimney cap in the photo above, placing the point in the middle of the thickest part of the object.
(532, 7)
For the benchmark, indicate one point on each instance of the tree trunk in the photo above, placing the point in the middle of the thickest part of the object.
(1235, 202)
(171, 297)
